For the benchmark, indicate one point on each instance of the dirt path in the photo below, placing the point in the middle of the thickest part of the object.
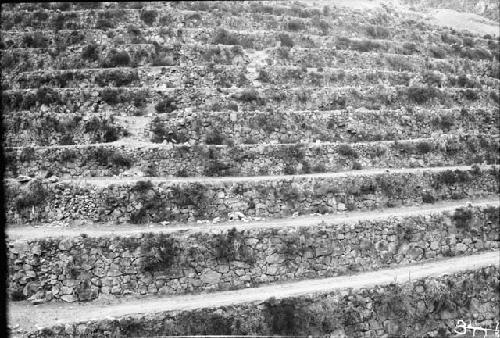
(106, 181)
(29, 316)
(24, 233)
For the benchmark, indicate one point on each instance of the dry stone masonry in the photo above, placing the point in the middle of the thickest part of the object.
(201, 147)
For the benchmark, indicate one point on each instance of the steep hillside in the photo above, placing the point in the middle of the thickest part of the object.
(234, 166)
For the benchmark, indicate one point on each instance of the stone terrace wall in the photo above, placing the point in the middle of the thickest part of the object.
(425, 307)
(143, 201)
(332, 126)
(83, 268)
(247, 160)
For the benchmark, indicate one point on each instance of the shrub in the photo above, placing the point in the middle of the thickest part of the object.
(33, 195)
(250, 95)
(223, 37)
(427, 197)
(295, 25)
(471, 95)
(149, 16)
(365, 46)
(104, 24)
(35, 40)
(142, 187)
(217, 169)
(160, 133)
(356, 166)
(165, 106)
(119, 160)
(476, 54)
(347, 150)
(378, 32)
(159, 250)
(90, 52)
(229, 247)
(319, 168)
(468, 42)
(438, 52)
(214, 138)
(463, 217)
(285, 41)
(117, 59)
(421, 95)
(424, 147)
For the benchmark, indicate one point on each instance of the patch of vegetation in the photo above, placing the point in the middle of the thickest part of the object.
(102, 130)
(438, 52)
(347, 150)
(285, 316)
(230, 247)
(378, 32)
(161, 133)
(421, 95)
(117, 77)
(149, 16)
(444, 122)
(424, 147)
(463, 217)
(90, 52)
(217, 169)
(116, 59)
(166, 106)
(251, 96)
(224, 37)
(295, 25)
(35, 40)
(32, 195)
(159, 252)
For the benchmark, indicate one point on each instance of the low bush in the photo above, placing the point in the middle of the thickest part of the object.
(33, 195)
(378, 32)
(230, 247)
(471, 95)
(214, 138)
(422, 95)
(463, 217)
(295, 25)
(35, 40)
(347, 150)
(116, 59)
(223, 37)
(142, 187)
(90, 52)
(424, 147)
(149, 16)
(166, 106)
(437, 52)
(159, 251)
(285, 41)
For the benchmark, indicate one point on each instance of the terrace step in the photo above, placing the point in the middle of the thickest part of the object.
(145, 199)
(148, 316)
(263, 39)
(239, 76)
(218, 257)
(132, 101)
(308, 126)
(149, 159)
(31, 59)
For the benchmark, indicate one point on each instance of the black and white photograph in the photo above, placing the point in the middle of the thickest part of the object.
(309, 168)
